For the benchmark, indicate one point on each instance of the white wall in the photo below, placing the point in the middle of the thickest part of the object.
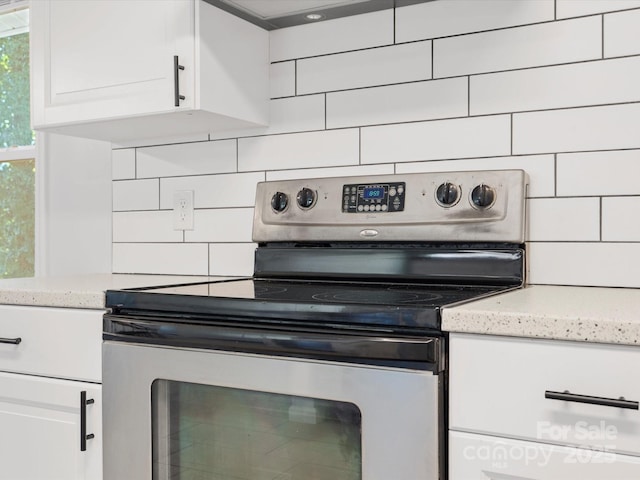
(552, 87)
(74, 228)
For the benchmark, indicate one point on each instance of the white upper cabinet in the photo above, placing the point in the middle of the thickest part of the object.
(107, 70)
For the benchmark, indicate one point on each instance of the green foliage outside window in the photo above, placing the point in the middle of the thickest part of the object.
(17, 218)
(17, 177)
(15, 129)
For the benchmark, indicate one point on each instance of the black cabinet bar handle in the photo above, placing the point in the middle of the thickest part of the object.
(176, 81)
(607, 402)
(11, 341)
(83, 420)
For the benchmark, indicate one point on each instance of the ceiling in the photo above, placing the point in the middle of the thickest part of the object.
(273, 14)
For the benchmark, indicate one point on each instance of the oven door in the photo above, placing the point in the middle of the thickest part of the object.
(191, 414)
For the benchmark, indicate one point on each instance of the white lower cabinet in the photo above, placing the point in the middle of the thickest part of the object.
(51, 342)
(50, 393)
(41, 428)
(483, 457)
(532, 409)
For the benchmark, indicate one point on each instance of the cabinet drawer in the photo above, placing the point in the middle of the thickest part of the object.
(481, 457)
(498, 386)
(55, 342)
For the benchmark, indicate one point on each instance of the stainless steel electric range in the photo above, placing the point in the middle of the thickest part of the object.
(330, 362)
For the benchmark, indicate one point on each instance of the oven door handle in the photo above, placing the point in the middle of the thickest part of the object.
(370, 348)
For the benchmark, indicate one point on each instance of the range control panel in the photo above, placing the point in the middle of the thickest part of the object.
(439, 206)
(373, 197)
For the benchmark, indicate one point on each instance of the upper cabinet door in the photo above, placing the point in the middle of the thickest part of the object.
(106, 59)
(106, 69)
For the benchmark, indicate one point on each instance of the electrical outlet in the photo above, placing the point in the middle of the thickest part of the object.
(183, 210)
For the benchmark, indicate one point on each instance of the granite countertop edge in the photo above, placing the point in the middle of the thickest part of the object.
(61, 299)
(82, 291)
(548, 327)
(584, 314)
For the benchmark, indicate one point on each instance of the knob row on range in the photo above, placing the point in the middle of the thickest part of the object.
(447, 195)
(306, 199)
(482, 196)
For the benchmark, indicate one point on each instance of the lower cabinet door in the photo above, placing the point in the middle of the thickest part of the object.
(481, 457)
(41, 424)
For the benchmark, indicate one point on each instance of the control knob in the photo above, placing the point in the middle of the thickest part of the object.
(448, 194)
(306, 198)
(483, 196)
(279, 202)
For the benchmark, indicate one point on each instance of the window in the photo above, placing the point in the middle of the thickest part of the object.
(17, 151)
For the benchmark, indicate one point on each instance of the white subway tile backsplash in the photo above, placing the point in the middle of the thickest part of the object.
(365, 68)
(282, 79)
(619, 219)
(521, 47)
(213, 191)
(187, 159)
(231, 259)
(221, 225)
(564, 219)
(147, 226)
(579, 129)
(622, 34)
(435, 140)
(313, 149)
(539, 168)
(609, 81)
(454, 17)
(123, 164)
(161, 258)
(332, 36)
(287, 115)
(599, 173)
(352, 96)
(435, 99)
(381, 169)
(297, 114)
(577, 8)
(136, 195)
(588, 264)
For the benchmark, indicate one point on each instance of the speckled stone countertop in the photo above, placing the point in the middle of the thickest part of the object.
(588, 314)
(80, 291)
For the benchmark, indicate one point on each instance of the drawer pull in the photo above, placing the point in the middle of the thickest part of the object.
(84, 401)
(607, 402)
(11, 341)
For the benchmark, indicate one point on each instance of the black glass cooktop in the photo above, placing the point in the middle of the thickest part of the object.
(399, 295)
(400, 307)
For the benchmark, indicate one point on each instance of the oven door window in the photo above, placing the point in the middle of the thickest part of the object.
(208, 432)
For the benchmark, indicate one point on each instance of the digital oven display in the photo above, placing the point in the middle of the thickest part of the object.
(367, 198)
(373, 192)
